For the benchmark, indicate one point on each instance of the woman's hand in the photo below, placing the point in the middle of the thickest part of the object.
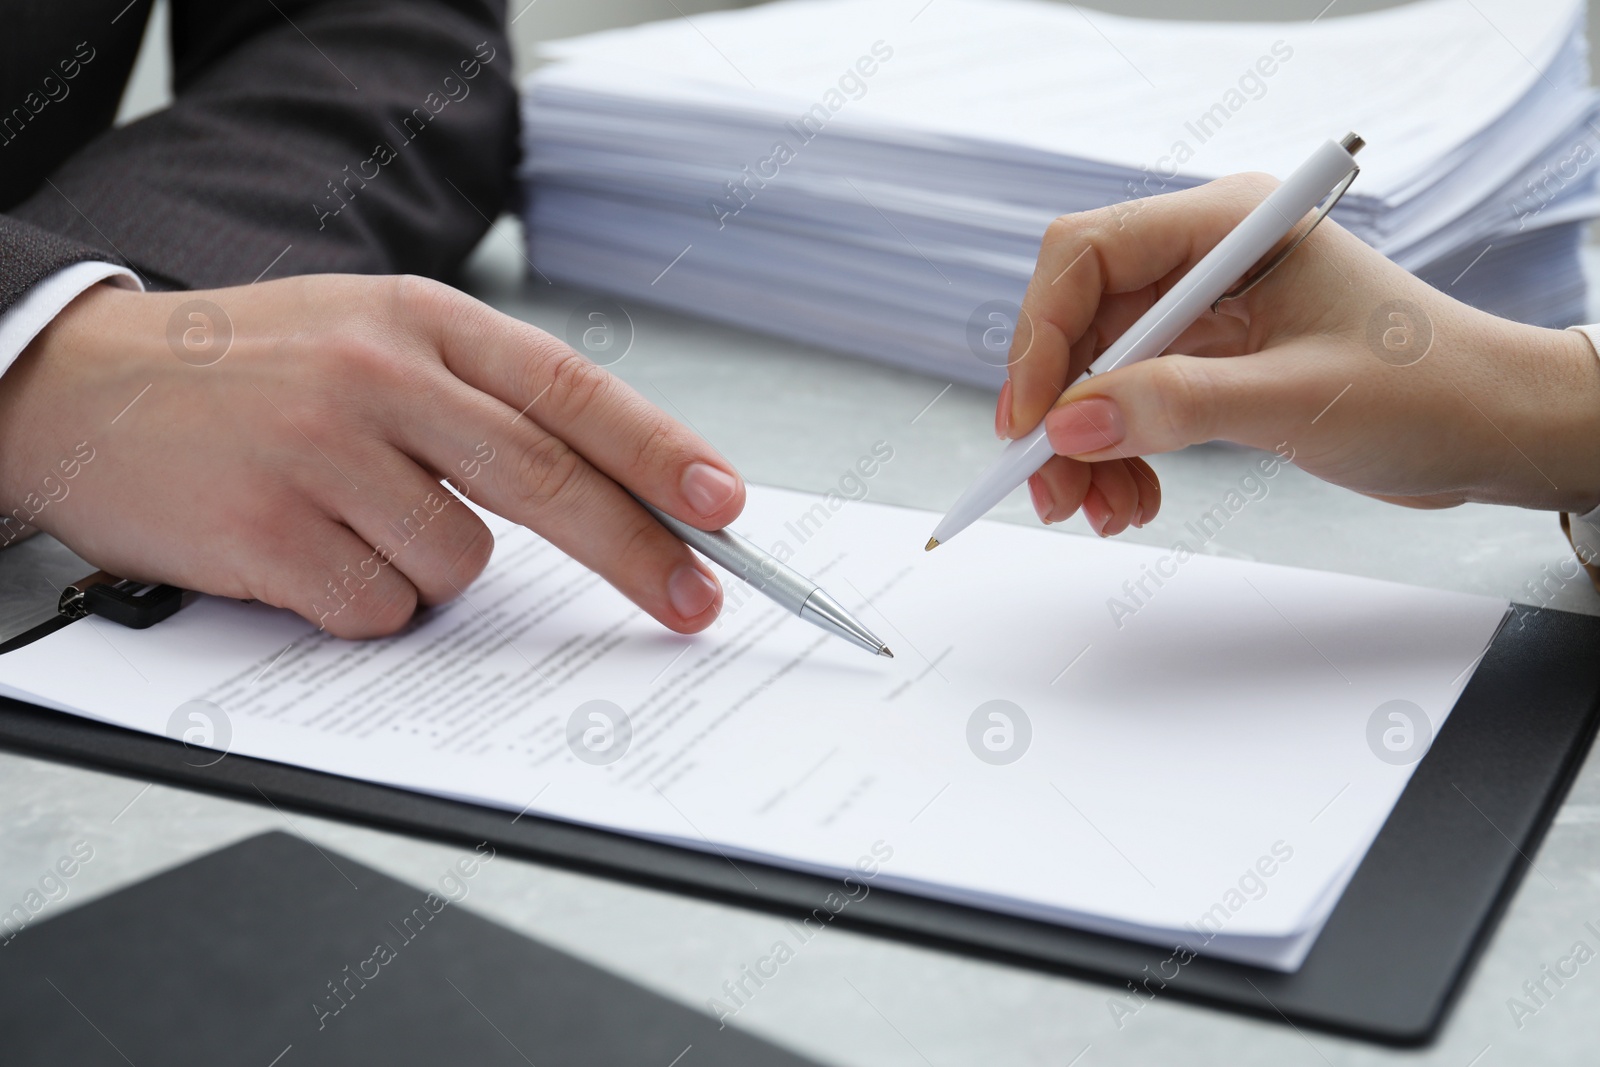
(1365, 375)
(285, 442)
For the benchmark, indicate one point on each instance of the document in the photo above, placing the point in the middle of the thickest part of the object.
(1148, 742)
(874, 176)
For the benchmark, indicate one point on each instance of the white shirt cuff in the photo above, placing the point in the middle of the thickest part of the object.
(22, 323)
(1586, 528)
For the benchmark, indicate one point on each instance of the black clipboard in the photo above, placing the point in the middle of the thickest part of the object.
(136, 605)
(1388, 964)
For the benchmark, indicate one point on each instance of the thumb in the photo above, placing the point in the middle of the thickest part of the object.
(1162, 405)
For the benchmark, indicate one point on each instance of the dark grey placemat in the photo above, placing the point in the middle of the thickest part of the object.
(273, 951)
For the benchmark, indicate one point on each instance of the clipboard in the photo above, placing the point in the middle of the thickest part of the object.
(136, 605)
(1395, 952)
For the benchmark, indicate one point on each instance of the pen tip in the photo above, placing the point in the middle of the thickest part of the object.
(933, 543)
(884, 651)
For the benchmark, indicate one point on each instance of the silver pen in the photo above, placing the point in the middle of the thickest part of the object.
(790, 590)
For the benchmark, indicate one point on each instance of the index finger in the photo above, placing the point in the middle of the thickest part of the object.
(1087, 258)
(600, 416)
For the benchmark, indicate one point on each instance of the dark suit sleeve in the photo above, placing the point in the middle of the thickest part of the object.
(28, 255)
(363, 136)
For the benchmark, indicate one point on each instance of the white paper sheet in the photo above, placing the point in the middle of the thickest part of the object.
(872, 175)
(1120, 90)
(1220, 728)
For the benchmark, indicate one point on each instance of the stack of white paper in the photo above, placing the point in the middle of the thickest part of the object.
(873, 175)
(1170, 747)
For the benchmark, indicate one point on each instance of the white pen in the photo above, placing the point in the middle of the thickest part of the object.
(1323, 177)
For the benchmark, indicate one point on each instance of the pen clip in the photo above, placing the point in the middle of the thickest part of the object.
(1257, 276)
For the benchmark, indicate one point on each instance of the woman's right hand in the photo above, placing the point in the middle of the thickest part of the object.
(1368, 377)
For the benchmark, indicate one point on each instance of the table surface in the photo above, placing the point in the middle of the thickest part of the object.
(798, 417)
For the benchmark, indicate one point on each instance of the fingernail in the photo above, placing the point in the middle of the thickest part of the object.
(1096, 511)
(1041, 499)
(1002, 412)
(1086, 426)
(708, 489)
(691, 591)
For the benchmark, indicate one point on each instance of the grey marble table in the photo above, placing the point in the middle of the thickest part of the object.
(796, 417)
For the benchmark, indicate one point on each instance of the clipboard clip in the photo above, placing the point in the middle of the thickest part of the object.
(136, 605)
(1351, 143)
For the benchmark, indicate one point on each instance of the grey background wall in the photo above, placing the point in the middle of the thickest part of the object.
(537, 20)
